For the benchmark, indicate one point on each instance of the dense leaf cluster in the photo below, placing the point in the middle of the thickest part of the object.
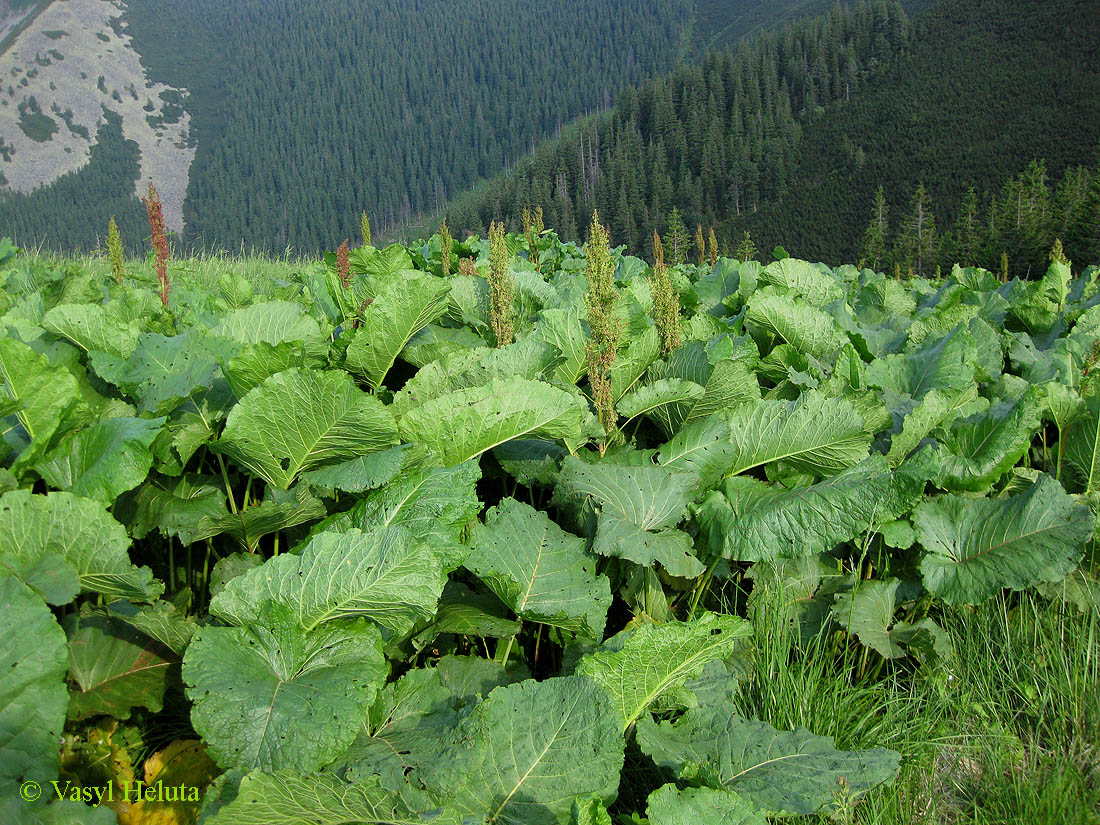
(336, 557)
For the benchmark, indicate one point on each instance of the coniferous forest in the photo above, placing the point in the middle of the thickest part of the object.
(789, 139)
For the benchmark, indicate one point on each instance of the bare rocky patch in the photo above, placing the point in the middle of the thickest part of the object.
(65, 69)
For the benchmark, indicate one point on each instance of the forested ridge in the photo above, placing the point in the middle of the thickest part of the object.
(790, 139)
(329, 108)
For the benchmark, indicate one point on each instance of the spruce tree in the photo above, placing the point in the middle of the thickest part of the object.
(915, 246)
(873, 250)
(746, 250)
(676, 238)
(364, 228)
(969, 232)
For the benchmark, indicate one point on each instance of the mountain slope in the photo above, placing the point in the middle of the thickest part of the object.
(987, 86)
(790, 139)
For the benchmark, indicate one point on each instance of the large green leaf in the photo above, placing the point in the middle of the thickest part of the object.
(406, 727)
(91, 327)
(816, 435)
(250, 524)
(670, 805)
(270, 322)
(947, 364)
(934, 409)
(395, 315)
(461, 425)
(803, 326)
(638, 507)
(650, 398)
(528, 750)
(785, 772)
(564, 329)
(802, 277)
(1082, 449)
(365, 472)
(975, 547)
(385, 574)
(753, 521)
(161, 372)
(60, 543)
(646, 665)
(868, 612)
(172, 506)
(104, 460)
(436, 504)
(32, 688)
(49, 399)
(541, 572)
(983, 447)
(297, 420)
(288, 798)
(257, 362)
(273, 695)
(726, 382)
(114, 669)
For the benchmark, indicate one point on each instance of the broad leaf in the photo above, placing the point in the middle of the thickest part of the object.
(385, 574)
(1082, 449)
(817, 435)
(356, 475)
(90, 327)
(644, 666)
(60, 543)
(114, 668)
(803, 326)
(785, 772)
(396, 314)
(753, 521)
(462, 425)
(104, 460)
(32, 688)
(946, 364)
(983, 447)
(273, 695)
(637, 505)
(48, 396)
(297, 420)
(975, 547)
(669, 805)
(289, 798)
(541, 572)
(868, 612)
(161, 372)
(528, 750)
(435, 504)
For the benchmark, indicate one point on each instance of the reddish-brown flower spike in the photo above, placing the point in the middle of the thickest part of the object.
(155, 210)
(343, 265)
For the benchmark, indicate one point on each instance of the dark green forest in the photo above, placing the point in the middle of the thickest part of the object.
(106, 183)
(790, 138)
(328, 108)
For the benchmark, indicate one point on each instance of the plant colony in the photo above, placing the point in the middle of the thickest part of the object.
(479, 531)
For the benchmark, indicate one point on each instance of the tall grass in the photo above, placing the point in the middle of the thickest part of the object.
(1006, 731)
